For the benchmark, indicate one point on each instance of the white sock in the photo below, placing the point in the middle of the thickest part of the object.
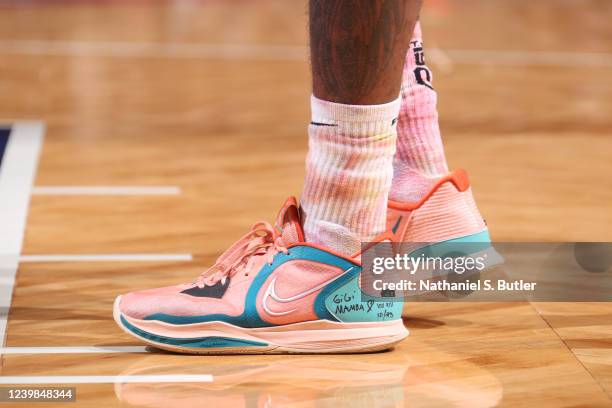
(348, 173)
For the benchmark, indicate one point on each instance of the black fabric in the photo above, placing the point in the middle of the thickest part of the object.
(215, 291)
(4, 137)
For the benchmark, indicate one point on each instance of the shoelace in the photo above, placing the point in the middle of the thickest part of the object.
(261, 240)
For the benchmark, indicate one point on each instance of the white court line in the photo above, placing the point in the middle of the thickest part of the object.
(73, 350)
(106, 258)
(288, 52)
(106, 379)
(6, 280)
(16, 178)
(107, 190)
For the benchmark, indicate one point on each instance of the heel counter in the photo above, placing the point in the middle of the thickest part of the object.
(468, 196)
(448, 213)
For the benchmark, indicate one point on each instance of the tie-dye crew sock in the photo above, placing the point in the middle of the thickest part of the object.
(348, 173)
(420, 158)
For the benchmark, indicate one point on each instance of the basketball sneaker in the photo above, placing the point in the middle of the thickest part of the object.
(270, 292)
(444, 223)
(447, 212)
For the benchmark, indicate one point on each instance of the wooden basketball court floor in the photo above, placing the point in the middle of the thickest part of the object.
(172, 127)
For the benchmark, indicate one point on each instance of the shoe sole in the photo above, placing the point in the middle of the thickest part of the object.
(314, 337)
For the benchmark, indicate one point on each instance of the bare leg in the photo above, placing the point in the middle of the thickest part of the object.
(358, 48)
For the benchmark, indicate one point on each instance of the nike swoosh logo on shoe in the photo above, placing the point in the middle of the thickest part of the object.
(271, 293)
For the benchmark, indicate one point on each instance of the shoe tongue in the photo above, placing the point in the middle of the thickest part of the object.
(288, 222)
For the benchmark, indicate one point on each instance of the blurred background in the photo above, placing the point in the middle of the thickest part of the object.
(211, 99)
(213, 96)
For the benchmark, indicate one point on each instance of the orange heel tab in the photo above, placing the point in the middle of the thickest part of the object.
(458, 177)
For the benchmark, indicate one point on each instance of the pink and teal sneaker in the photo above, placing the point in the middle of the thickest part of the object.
(446, 221)
(270, 292)
(447, 212)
